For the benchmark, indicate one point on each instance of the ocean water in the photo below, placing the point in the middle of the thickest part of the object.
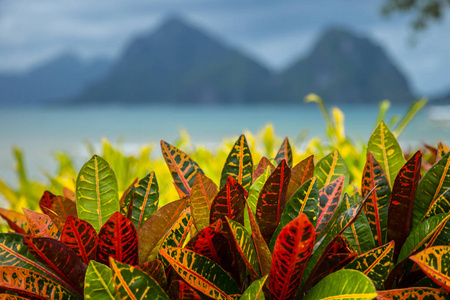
(40, 132)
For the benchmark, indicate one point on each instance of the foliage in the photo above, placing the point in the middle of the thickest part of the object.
(247, 238)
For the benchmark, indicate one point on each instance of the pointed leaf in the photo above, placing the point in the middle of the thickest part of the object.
(182, 291)
(80, 236)
(433, 184)
(256, 188)
(292, 251)
(145, 200)
(97, 192)
(132, 283)
(181, 166)
(246, 248)
(375, 263)
(440, 206)
(16, 221)
(262, 166)
(305, 200)
(62, 206)
(155, 269)
(343, 284)
(203, 192)
(239, 164)
(41, 225)
(435, 263)
(442, 149)
(285, 152)
(255, 290)
(272, 200)
(329, 197)
(155, 228)
(98, 282)
(402, 201)
(300, 173)
(415, 293)
(386, 150)
(229, 202)
(33, 284)
(201, 273)
(118, 239)
(329, 168)
(59, 258)
(377, 207)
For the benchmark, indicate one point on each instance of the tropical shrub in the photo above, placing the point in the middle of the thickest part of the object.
(268, 230)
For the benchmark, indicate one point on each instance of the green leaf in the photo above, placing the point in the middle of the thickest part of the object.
(98, 283)
(96, 192)
(387, 151)
(330, 168)
(201, 273)
(239, 164)
(435, 263)
(375, 263)
(203, 192)
(415, 293)
(343, 284)
(132, 283)
(440, 206)
(433, 184)
(300, 173)
(145, 199)
(285, 152)
(256, 188)
(255, 290)
(262, 250)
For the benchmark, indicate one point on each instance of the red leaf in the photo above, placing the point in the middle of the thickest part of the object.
(62, 206)
(16, 221)
(81, 237)
(300, 173)
(285, 152)
(402, 201)
(329, 197)
(291, 253)
(41, 225)
(229, 202)
(262, 166)
(118, 238)
(272, 200)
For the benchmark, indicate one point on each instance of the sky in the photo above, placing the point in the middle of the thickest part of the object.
(276, 33)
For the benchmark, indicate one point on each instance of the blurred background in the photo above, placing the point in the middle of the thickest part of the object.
(74, 72)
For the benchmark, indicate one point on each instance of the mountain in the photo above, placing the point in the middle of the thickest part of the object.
(179, 63)
(441, 100)
(57, 79)
(344, 68)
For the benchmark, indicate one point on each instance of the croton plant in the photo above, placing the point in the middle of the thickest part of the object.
(273, 230)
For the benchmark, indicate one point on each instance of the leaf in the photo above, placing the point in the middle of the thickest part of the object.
(132, 283)
(433, 184)
(435, 262)
(13, 253)
(246, 248)
(118, 239)
(305, 200)
(40, 224)
(377, 207)
(255, 290)
(375, 263)
(410, 114)
(81, 237)
(300, 173)
(203, 192)
(124, 201)
(96, 192)
(329, 168)
(180, 290)
(62, 206)
(386, 150)
(292, 251)
(402, 201)
(11, 297)
(262, 167)
(415, 293)
(440, 206)
(343, 284)
(201, 273)
(16, 221)
(58, 257)
(98, 282)
(329, 197)
(239, 164)
(35, 285)
(229, 202)
(182, 168)
(285, 152)
(442, 149)
(145, 199)
(155, 228)
(272, 200)
(256, 188)
(155, 269)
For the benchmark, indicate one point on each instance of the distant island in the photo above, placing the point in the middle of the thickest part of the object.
(179, 63)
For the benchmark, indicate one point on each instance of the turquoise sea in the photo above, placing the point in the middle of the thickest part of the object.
(40, 132)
